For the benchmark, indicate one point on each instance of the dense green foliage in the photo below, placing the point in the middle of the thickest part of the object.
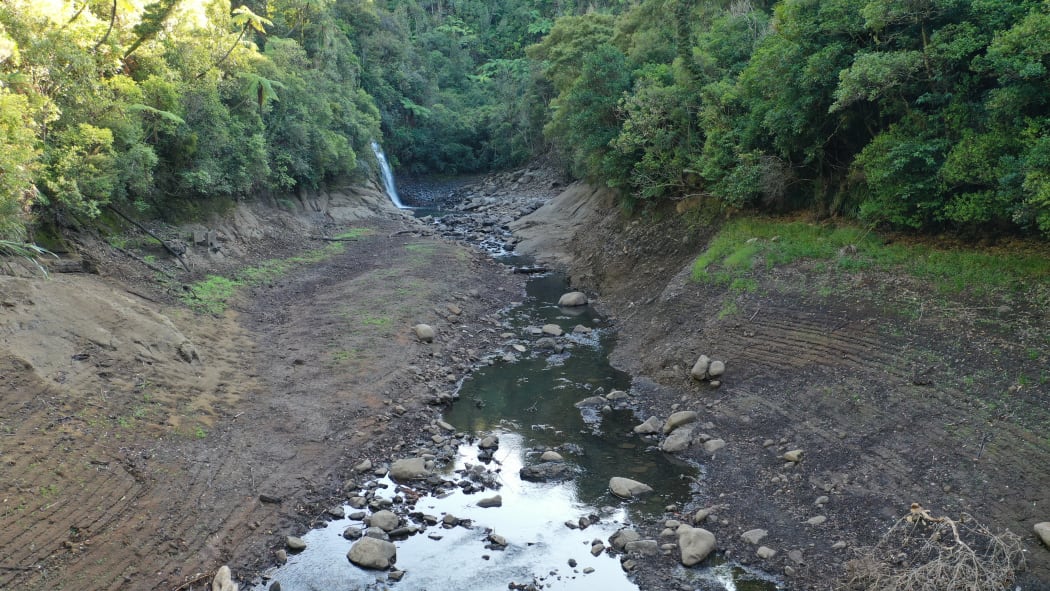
(924, 114)
(927, 114)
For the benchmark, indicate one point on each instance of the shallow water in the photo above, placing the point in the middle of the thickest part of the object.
(529, 403)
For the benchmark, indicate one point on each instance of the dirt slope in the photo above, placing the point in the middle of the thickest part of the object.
(137, 436)
(897, 393)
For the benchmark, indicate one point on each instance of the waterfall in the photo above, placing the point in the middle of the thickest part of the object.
(388, 176)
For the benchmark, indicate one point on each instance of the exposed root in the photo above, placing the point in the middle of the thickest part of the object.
(926, 553)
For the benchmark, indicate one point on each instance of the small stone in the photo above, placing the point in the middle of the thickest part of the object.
(281, 556)
(489, 442)
(597, 549)
(223, 580)
(572, 563)
(823, 500)
(1042, 530)
(552, 329)
(496, 501)
(793, 456)
(716, 369)
(642, 547)
(713, 445)
(754, 536)
(384, 520)
(518, 348)
(551, 456)
(819, 519)
(336, 512)
(839, 545)
(588, 570)
(699, 371)
(678, 419)
(395, 575)
(372, 553)
(650, 426)
(765, 552)
(424, 332)
(295, 544)
(498, 540)
(363, 466)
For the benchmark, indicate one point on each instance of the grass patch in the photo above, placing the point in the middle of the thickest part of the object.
(745, 243)
(355, 233)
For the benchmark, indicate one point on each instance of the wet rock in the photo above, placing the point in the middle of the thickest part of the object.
(650, 426)
(444, 425)
(581, 329)
(573, 299)
(625, 488)
(699, 371)
(678, 441)
(597, 548)
(695, 544)
(496, 501)
(424, 332)
(336, 512)
(396, 575)
(765, 552)
(551, 456)
(353, 532)
(754, 536)
(409, 469)
(552, 329)
(622, 537)
(1043, 531)
(377, 533)
(591, 401)
(713, 445)
(498, 540)
(372, 553)
(295, 544)
(223, 580)
(281, 556)
(793, 456)
(546, 472)
(676, 420)
(384, 520)
(489, 442)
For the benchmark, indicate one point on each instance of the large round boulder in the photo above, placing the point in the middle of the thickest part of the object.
(625, 488)
(409, 469)
(573, 299)
(372, 553)
(695, 543)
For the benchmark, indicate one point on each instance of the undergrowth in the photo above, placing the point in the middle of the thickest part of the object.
(212, 294)
(747, 244)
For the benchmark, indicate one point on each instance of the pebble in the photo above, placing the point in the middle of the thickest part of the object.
(294, 543)
(765, 552)
(817, 520)
(793, 456)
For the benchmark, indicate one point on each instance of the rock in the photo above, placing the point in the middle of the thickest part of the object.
(551, 456)
(678, 441)
(384, 520)
(819, 519)
(496, 501)
(650, 426)
(839, 545)
(617, 395)
(353, 532)
(223, 580)
(823, 500)
(518, 348)
(699, 371)
(581, 329)
(336, 512)
(573, 299)
(765, 552)
(591, 401)
(489, 442)
(372, 553)
(281, 556)
(794, 456)
(1043, 531)
(622, 537)
(363, 466)
(454, 309)
(552, 329)
(409, 469)
(498, 540)
(713, 445)
(754, 536)
(546, 472)
(676, 420)
(625, 488)
(796, 556)
(424, 332)
(642, 547)
(396, 575)
(716, 369)
(695, 544)
(377, 533)
(295, 544)
(274, 586)
(597, 549)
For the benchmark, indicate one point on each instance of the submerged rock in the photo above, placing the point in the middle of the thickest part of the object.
(372, 553)
(546, 472)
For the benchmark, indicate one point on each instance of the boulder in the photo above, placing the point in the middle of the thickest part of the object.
(622, 537)
(495, 501)
(625, 488)
(409, 469)
(424, 332)
(384, 520)
(489, 442)
(754, 536)
(695, 544)
(372, 553)
(295, 544)
(642, 547)
(699, 371)
(716, 369)
(551, 456)
(1043, 531)
(678, 441)
(650, 426)
(713, 445)
(552, 329)
(794, 455)
(676, 420)
(573, 299)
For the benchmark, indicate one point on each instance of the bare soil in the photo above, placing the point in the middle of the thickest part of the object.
(137, 437)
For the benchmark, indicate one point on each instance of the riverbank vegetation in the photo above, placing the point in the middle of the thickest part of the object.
(928, 115)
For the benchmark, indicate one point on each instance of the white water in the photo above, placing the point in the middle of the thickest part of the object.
(388, 176)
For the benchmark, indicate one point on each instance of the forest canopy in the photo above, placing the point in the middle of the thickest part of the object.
(926, 115)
